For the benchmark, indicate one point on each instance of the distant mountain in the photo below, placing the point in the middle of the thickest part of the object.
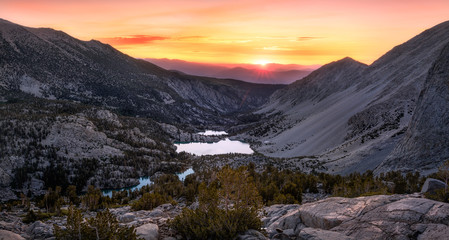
(51, 64)
(351, 117)
(269, 74)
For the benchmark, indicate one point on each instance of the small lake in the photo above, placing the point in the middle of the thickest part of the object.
(143, 181)
(213, 133)
(222, 147)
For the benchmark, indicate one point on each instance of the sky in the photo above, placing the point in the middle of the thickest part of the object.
(305, 32)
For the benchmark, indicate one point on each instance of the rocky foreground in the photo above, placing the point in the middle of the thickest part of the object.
(373, 217)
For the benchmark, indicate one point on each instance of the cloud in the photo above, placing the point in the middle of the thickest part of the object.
(190, 37)
(133, 39)
(307, 38)
(276, 48)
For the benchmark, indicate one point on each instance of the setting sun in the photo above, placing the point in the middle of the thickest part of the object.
(262, 62)
(285, 31)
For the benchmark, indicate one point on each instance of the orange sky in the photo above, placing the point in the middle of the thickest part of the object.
(241, 31)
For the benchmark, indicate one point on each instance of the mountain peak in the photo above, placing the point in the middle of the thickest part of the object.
(424, 44)
(345, 61)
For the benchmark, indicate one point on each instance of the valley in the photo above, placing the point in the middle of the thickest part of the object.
(78, 117)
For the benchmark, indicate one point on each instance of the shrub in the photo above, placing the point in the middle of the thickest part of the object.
(103, 226)
(227, 207)
(215, 223)
(91, 200)
(149, 201)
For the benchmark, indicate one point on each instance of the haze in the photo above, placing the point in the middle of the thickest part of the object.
(243, 31)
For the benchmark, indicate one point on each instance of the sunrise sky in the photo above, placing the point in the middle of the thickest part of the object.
(241, 31)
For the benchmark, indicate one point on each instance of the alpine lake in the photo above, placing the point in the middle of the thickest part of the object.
(197, 148)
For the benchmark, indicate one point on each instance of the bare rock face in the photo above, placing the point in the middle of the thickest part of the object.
(331, 212)
(402, 218)
(320, 234)
(426, 142)
(79, 137)
(251, 235)
(282, 217)
(374, 217)
(4, 234)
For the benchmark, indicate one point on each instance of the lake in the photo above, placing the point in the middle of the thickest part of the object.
(213, 133)
(143, 181)
(221, 147)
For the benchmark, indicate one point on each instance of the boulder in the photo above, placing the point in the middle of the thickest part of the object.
(10, 235)
(320, 234)
(435, 232)
(431, 185)
(127, 217)
(281, 217)
(251, 235)
(148, 231)
(373, 217)
(40, 230)
(406, 217)
(331, 212)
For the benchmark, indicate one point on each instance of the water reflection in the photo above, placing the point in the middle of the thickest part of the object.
(221, 147)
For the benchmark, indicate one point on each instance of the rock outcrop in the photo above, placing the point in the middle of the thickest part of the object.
(149, 231)
(374, 217)
(431, 185)
(426, 141)
(7, 235)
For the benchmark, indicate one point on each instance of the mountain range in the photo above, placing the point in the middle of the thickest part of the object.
(270, 73)
(53, 65)
(107, 118)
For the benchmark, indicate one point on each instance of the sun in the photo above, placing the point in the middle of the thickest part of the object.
(261, 62)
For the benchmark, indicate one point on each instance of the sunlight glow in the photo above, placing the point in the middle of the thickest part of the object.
(262, 62)
(237, 31)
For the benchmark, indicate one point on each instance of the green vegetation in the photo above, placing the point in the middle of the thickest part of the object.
(149, 201)
(32, 216)
(103, 226)
(227, 206)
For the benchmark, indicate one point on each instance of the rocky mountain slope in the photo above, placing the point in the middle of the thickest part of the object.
(351, 116)
(53, 65)
(49, 143)
(427, 137)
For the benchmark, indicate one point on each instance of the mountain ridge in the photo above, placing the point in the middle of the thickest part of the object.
(355, 126)
(51, 64)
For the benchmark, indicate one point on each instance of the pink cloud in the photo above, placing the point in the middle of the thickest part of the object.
(133, 39)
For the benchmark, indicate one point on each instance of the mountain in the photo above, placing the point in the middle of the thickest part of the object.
(427, 137)
(353, 117)
(53, 65)
(80, 112)
(269, 74)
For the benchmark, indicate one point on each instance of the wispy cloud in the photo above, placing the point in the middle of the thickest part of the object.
(307, 38)
(190, 38)
(133, 39)
(276, 48)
